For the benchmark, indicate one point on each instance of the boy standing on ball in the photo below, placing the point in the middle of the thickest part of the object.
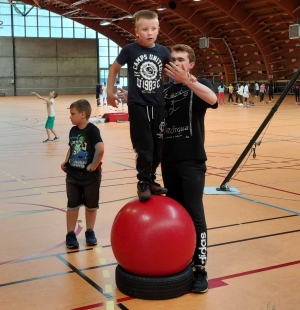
(145, 60)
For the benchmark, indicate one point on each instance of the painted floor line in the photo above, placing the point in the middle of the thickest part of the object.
(266, 204)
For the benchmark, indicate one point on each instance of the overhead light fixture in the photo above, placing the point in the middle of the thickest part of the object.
(105, 23)
(161, 8)
(197, 0)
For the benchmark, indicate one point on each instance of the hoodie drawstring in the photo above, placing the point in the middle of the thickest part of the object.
(149, 115)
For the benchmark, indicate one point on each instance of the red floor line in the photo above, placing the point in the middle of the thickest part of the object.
(217, 282)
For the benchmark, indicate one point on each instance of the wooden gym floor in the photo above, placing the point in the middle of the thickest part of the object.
(253, 254)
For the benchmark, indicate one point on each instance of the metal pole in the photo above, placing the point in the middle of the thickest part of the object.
(223, 186)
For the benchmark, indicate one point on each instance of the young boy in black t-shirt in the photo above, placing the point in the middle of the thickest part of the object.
(83, 168)
(145, 60)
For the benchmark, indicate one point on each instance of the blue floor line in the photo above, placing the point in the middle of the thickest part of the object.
(266, 204)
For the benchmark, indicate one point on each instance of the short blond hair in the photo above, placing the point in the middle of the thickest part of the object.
(146, 14)
(82, 105)
(184, 48)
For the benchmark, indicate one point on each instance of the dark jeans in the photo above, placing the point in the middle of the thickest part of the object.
(262, 95)
(230, 98)
(185, 183)
(271, 95)
(236, 97)
(146, 132)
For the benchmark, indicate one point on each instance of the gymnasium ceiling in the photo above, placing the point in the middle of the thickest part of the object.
(248, 40)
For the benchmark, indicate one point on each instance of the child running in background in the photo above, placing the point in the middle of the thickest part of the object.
(51, 115)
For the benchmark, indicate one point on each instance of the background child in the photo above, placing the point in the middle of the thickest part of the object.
(145, 60)
(246, 95)
(51, 114)
(262, 90)
(83, 168)
(221, 96)
(230, 90)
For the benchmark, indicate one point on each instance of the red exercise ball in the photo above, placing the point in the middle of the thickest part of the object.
(156, 237)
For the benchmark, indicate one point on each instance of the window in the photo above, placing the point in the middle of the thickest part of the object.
(67, 22)
(79, 32)
(113, 51)
(6, 31)
(31, 21)
(44, 32)
(68, 32)
(19, 31)
(56, 32)
(103, 42)
(45, 24)
(103, 51)
(31, 32)
(55, 21)
(103, 62)
(4, 8)
(19, 20)
(43, 21)
(90, 33)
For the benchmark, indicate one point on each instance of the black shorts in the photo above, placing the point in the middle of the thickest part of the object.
(83, 189)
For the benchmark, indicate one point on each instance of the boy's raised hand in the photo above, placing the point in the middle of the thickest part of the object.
(179, 73)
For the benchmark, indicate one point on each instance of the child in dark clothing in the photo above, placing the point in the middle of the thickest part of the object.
(145, 60)
(83, 168)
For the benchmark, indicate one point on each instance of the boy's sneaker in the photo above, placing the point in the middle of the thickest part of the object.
(55, 138)
(143, 191)
(90, 237)
(200, 283)
(71, 240)
(156, 189)
(47, 140)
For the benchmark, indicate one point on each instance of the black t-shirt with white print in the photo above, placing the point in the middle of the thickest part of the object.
(145, 73)
(184, 127)
(82, 146)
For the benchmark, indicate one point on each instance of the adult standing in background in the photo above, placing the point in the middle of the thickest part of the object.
(270, 90)
(104, 93)
(256, 86)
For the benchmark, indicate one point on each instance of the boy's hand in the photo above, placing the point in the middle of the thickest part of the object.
(179, 73)
(63, 167)
(122, 94)
(111, 100)
(89, 167)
